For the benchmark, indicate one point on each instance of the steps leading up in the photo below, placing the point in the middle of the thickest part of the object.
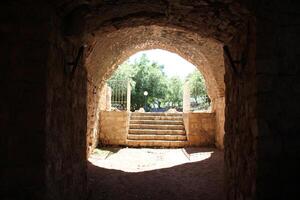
(170, 122)
(154, 117)
(156, 130)
(156, 143)
(156, 137)
(157, 126)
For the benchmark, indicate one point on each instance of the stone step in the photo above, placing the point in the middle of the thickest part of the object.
(155, 131)
(156, 126)
(153, 117)
(156, 143)
(155, 114)
(156, 137)
(166, 122)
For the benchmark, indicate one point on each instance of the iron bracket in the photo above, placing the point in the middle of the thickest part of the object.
(72, 66)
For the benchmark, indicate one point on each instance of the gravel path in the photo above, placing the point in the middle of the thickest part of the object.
(136, 174)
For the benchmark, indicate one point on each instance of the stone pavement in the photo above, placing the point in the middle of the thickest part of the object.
(128, 173)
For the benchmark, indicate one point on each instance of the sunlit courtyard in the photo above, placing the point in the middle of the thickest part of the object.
(138, 160)
(129, 173)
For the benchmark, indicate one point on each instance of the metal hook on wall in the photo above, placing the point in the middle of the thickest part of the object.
(233, 63)
(71, 66)
(244, 55)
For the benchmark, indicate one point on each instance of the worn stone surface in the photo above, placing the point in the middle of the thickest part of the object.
(240, 137)
(278, 97)
(219, 110)
(66, 124)
(105, 98)
(200, 128)
(114, 127)
(157, 174)
(156, 129)
(94, 105)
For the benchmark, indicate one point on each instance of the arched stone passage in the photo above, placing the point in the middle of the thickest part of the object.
(112, 48)
(192, 29)
(114, 31)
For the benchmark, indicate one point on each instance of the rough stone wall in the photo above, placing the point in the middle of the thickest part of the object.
(104, 102)
(200, 128)
(278, 97)
(219, 109)
(94, 95)
(114, 127)
(240, 114)
(216, 19)
(66, 121)
(25, 41)
(42, 143)
(262, 107)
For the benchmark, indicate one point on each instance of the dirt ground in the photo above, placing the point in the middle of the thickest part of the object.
(136, 174)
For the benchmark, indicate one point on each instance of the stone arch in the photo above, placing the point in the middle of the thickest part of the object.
(112, 49)
(202, 23)
(98, 24)
(109, 49)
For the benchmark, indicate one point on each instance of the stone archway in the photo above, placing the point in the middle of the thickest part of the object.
(112, 48)
(162, 21)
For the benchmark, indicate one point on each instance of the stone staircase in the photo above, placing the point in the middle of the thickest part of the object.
(156, 130)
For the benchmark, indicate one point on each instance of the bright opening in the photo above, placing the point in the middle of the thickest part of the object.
(157, 79)
(174, 65)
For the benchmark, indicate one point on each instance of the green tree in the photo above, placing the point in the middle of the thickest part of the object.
(118, 83)
(149, 77)
(145, 75)
(174, 96)
(124, 73)
(198, 90)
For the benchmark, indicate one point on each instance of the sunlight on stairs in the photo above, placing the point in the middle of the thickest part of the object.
(156, 130)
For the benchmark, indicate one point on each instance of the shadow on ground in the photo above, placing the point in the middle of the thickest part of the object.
(190, 181)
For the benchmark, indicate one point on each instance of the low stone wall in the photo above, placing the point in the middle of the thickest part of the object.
(200, 128)
(219, 109)
(114, 127)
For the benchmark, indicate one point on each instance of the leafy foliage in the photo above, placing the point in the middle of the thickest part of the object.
(124, 73)
(174, 95)
(149, 77)
(198, 91)
(163, 92)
